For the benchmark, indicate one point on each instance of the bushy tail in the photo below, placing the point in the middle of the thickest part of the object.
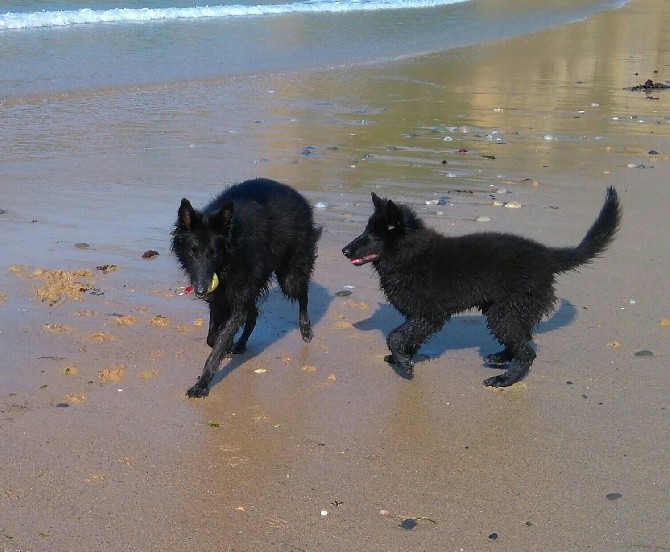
(597, 239)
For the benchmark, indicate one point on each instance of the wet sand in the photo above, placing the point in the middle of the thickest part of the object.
(322, 446)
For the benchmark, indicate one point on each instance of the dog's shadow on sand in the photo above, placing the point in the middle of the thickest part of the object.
(461, 332)
(277, 316)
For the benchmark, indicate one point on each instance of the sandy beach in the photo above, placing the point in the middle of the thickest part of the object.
(321, 446)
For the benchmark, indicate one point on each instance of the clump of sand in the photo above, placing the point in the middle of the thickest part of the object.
(149, 373)
(124, 319)
(159, 321)
(58, 327)
(57, 285)
(113, 373)
(101, 336)
(75, 398)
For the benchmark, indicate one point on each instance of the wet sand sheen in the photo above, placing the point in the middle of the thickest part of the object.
(572, 458)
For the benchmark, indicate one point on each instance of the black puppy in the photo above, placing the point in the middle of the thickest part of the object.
(231, 248)
(429, 277)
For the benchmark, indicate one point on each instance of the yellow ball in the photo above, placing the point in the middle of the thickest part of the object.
(213, 284)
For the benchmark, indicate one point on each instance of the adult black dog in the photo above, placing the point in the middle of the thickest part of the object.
(231, 248)
(429, 277)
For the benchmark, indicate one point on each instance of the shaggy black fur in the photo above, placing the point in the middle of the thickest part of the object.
(429, 277)
(246, 234)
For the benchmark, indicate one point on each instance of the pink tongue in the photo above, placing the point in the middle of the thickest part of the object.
(362, 260)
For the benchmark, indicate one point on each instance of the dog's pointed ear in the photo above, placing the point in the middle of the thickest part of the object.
(187, 215)
(222, 220)
(395, 216)
(377, 201)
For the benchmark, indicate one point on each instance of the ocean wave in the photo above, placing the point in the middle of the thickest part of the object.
(84, 16)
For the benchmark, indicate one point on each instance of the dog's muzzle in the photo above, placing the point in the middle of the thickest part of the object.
(213, 284)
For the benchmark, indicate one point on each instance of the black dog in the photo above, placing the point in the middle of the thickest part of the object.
(230, 250)
(429, 277)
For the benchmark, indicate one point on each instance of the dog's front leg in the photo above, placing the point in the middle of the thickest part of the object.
(222, 345)
(218, 314)
(249, 325)
(405, 340)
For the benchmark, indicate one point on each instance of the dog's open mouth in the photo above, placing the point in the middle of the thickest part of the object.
(365, 259)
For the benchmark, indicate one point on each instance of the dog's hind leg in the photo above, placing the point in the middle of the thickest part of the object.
(294, 284)
(249, 325)
(303, 319)
(222, 344)
(405, 340)
(500, 358)
(523, 358)
(511, 323)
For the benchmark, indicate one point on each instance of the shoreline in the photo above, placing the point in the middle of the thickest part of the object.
(571, 458)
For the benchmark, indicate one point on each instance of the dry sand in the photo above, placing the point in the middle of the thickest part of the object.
(321, 446)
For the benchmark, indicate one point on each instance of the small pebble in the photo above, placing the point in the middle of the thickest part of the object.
(62, 405)
(644, 353)
(343, 293)
(81, 245)
(483, 219)
(408, 523)
(324, 512)
(548, 137)
(493, 536)
(613, 496)
(321, 205)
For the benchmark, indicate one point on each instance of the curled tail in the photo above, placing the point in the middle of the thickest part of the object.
(597, 239)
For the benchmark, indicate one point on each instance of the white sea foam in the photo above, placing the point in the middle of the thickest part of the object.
(32, 20)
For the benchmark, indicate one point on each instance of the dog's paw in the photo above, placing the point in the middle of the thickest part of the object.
(507, 378)
(497, 381)
(501, 358)
(197, 392)
(404, 370)
(307, 334)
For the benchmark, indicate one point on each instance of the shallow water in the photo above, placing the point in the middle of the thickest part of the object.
(121, 45)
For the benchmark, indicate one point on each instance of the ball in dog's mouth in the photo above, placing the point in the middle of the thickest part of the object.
(213, 284)
(365, 259)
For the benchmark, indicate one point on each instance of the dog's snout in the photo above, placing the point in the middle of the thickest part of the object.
(346, 251)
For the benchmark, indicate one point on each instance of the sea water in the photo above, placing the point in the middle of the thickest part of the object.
(100, 100)
(71, 45)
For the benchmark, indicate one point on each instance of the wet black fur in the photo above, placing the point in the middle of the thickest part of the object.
(250, 231)
(429, 277)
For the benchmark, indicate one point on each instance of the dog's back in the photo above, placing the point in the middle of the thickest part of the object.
(272, 221)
